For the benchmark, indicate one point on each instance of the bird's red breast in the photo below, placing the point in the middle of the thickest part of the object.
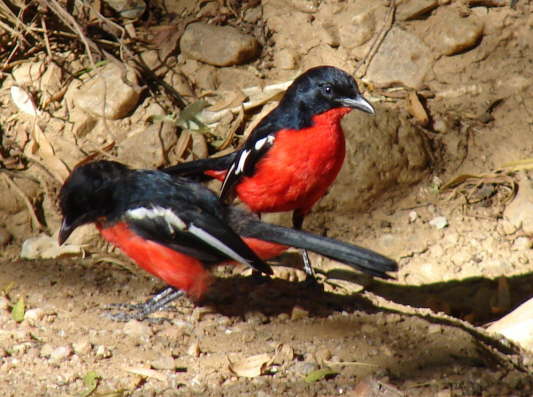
(176, 269)
(299, 168)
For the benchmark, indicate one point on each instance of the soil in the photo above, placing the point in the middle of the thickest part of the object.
(420, 335)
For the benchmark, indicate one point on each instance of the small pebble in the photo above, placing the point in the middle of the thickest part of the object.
(412, 216)
(164, 363)
(46, 350)
(305, 367)
(136, 328)
(323, 354)
(60, 354)
(299, 313)
(439, 222)
(103, 352)
(82, 347)
(33, 316)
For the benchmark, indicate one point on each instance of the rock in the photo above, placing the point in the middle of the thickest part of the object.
(164, 363)
(520, 212)
(409, 55)
(11, 201)
(381, 152)
(46, 247)
(137, 329)
(130, 9)
(148, 147)
(103, 352)
(33, 316)
(451, 33)
(60, 353)
(46, 350)
(29, 73)
(304, 367)
(217, 45)
(412, 9)
(286, 59)
(108, 95)
(356, 26)
(439, 222)
(299, 313)
(517, 325)
(83, 123)
(51, 81)
(82, 347)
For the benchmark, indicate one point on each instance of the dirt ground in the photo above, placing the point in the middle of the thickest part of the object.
(419, 335)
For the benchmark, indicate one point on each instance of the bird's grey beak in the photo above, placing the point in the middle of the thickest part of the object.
(65, 231)
(360, 103)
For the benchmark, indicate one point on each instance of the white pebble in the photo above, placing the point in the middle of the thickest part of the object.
(439, 222)
(60, 353)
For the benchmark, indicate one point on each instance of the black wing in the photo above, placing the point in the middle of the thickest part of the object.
(196, 168)
(183, 216)
(255, 147)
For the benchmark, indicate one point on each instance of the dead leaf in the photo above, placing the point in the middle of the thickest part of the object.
(146, 373)
(416, 109)
(44, 246)
(43, 147)
(250, 367)
(229, 100)
(23, 101)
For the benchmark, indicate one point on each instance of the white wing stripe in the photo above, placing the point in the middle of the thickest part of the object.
(242, 161)
(158, 212)
(202, 234)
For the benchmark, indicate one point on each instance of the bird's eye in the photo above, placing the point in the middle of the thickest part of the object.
(328, 89)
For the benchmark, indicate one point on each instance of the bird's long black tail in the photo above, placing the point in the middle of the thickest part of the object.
(359, 258)
(195, 169)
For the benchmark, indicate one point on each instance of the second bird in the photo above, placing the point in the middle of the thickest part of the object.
(294, 154)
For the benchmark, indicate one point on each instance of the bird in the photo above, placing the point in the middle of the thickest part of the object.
(177, 229)
(293, 155)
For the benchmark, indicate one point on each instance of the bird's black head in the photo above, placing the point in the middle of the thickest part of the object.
(86, 195)
(321, 89)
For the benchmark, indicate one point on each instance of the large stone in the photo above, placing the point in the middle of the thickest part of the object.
(402, 59)
(411, 9)
(148, 147)
(381, 152)
(112, 94)
(517, 325)
(452, 33)
(217, 45)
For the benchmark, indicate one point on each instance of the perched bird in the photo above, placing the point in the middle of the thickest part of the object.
(177, 229)
(294, 154)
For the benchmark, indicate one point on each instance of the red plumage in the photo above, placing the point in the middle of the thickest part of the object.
(299, 168)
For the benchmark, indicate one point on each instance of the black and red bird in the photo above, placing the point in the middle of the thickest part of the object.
(177, 229)
(294, 154)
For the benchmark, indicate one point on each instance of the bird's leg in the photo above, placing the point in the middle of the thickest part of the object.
(143, 310)
(297, 223)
